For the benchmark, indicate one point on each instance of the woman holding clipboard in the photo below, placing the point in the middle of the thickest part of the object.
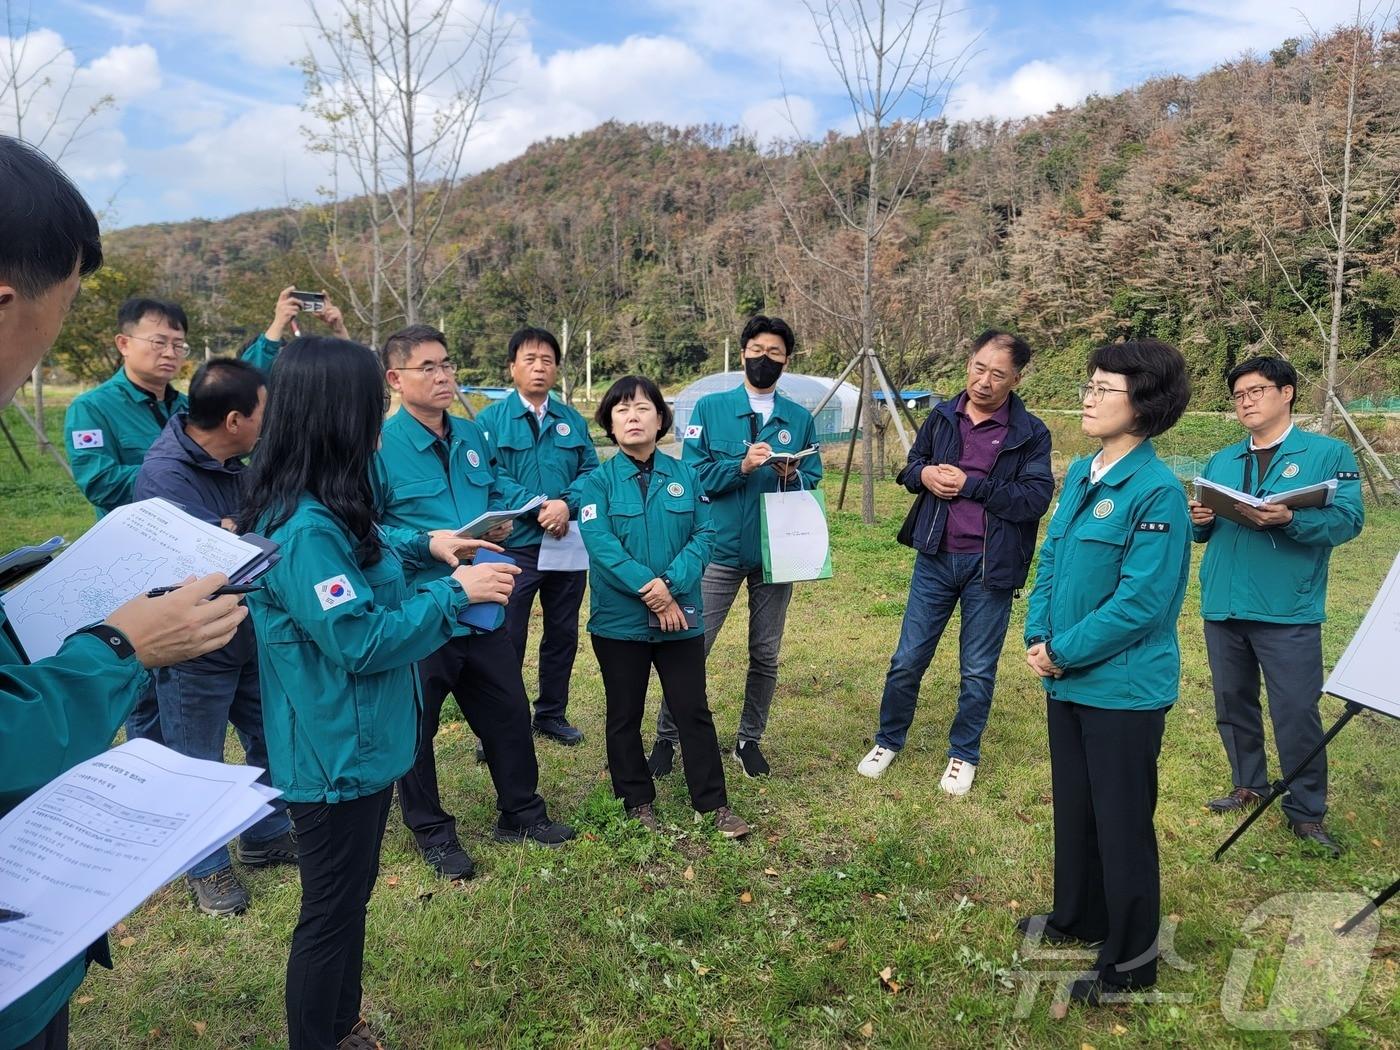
(647, 528)
(1101, 633)
(339, 633)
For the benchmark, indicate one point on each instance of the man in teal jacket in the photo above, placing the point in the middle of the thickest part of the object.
(436, 471)
(543, 445)
(64, 709)
(1264, 592)
(263, 349)
(728, 441)
(112, 427)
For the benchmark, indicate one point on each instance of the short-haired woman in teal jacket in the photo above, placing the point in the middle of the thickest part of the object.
(1101, 632)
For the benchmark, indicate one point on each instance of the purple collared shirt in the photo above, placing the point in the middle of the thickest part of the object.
(967, 521)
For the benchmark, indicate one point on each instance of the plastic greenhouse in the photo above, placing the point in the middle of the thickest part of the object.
(834, 423)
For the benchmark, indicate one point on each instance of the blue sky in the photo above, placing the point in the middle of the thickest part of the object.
(205, 118)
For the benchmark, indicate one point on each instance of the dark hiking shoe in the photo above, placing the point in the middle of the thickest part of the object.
(361, 1037)
(748, 755)
(546, 832)
(729, 825)
(450, 861)
(644, 816)
(1313, 831)
(559, 730)
(662, 758)
(280, 850)
(219, 894)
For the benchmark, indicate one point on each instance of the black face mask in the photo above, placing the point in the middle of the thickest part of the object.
(763, 371)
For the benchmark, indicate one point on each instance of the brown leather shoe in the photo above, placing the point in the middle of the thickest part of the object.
(644, 816)
(1313, 831)
(1239, 799)
(728, 824)
(361, 1037)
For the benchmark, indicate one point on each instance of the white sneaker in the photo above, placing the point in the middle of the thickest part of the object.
(874, 764)
(957, 778)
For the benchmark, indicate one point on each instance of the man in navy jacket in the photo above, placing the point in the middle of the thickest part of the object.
(197, 464)
(981, 468)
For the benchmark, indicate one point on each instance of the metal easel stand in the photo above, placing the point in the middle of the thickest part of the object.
(892, 402)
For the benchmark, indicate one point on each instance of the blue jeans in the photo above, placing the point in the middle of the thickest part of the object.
(198, 699)
(940, 582)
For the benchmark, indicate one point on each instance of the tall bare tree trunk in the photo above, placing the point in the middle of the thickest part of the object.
(1335, 336)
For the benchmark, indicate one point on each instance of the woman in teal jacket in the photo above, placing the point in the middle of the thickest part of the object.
(1101, 633)
(647, 528)
(339, 632)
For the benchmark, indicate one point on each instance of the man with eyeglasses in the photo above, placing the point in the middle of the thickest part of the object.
(1264, 591)
(980, 469)
(437, 471)
(543, 446)
(729, 440)
(112, 427)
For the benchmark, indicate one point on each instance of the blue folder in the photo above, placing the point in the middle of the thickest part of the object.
(484, 617)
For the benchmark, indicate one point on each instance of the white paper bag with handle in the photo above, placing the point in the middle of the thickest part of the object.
(796, 545)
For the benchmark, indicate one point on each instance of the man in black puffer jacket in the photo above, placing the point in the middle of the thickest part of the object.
(981, 468)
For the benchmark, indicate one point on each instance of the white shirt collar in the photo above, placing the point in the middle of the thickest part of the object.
(1272, 444)
(540, 412)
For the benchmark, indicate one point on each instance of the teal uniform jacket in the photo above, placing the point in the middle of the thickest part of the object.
(55, 714)
(1110, 583)
(555, 463)
(262, 352)
(632, 541)
(417, 491)
(109, 431)
(713, 443)
(337, 649)
(1279, 575)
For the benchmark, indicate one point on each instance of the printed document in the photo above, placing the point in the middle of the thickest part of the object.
(484, 523)
(565, 554)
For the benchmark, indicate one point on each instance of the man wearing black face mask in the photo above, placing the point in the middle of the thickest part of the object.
(729, 440)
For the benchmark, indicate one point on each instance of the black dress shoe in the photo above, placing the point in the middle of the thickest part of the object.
(1050, 934)
(558, 730)
(546, 832)
(1240, 798)
(1313, 831)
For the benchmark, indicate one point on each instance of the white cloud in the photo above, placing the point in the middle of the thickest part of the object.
(1035, 87)
(780, 119)
(261, 32)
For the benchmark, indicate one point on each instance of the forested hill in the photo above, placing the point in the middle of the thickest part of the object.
(1156, 212)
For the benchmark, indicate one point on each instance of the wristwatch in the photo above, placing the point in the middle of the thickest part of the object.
(111, 637)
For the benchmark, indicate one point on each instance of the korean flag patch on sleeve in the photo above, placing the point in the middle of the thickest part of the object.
(333, 592)
(588, 513)
(88, 439)
(692, 432)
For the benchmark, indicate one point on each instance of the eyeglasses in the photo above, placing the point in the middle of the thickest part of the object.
(1254, 393)
(433, 369)
(1095, 394)
(777, 353)
(178, 347)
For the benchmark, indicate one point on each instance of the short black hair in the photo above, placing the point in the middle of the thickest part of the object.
(1275, 369)
(527, 335)
(221, 386)
(46, 228)
(1158, 386)
(761, 325)
(136, 309)
(626, 389)
(398, 348)
(1019, 349)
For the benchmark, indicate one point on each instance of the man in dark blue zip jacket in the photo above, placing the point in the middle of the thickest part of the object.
(197, 464)
(981, 468)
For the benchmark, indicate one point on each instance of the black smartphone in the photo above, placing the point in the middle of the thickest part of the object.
(692, 618)
(313, 301)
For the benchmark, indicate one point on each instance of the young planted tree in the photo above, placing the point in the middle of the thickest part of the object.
(888, 59)
(394, 88)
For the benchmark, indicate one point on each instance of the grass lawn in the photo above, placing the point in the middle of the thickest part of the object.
(860, 913)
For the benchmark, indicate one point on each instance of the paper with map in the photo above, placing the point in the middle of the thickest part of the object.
(130, 551)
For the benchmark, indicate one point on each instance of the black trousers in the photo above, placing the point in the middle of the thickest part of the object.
(53, 1036)
(561, 595)
(680, 665)
(1289, 657)
(338, 856)
(481, 671)
(1103, 772)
